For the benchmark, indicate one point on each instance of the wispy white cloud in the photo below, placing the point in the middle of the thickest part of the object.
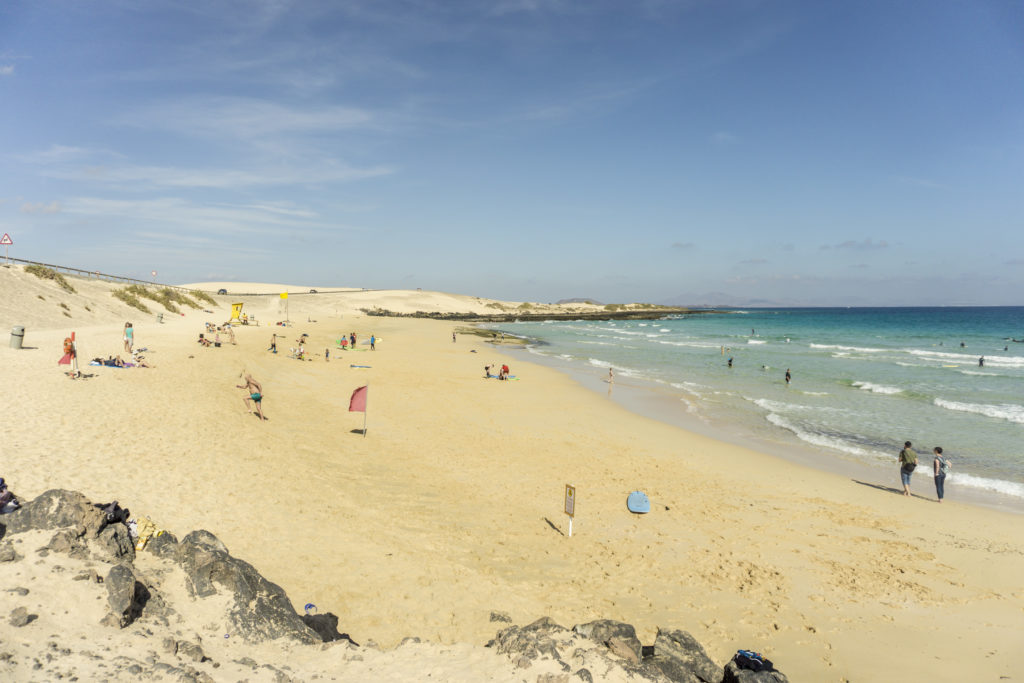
(6, 69)
(40, 207)
(170, 177)
(865, 245)
(244, 118)
(174, 215)
(56, 154)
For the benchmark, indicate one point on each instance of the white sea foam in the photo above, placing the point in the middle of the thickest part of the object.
(756, 341)
(1010, 488)
(877, 388)
(691, 344)
(1007, 411)
(817, 439)
(783, 407)
(664, 329)
(690, 387)
(862, 349)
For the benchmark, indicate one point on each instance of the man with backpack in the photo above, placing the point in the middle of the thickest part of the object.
(908, 463)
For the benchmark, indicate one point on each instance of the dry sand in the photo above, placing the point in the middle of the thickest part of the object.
(451, 506)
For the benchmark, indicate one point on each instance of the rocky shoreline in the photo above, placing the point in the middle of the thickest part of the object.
(528, 316)
(190, 611)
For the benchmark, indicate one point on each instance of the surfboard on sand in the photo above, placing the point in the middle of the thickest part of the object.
(637, 502)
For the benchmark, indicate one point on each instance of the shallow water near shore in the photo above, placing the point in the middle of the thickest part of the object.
(863, 381)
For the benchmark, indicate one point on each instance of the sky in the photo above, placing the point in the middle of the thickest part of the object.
(665, 151)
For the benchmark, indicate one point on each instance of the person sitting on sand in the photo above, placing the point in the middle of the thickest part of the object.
(254, 391)
(203, 340)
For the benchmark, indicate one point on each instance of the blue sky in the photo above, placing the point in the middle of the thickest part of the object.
(862, 153)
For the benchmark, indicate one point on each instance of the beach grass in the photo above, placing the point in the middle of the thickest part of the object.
(45, 273)
(167, 297)
(202, 296)
(129, 296)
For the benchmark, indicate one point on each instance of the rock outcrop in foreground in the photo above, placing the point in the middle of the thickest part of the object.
(83, 604)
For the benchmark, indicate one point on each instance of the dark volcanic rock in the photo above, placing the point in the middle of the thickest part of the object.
(680, 657)
(326, 626)
(529, 642)
(8, 553)
(56, 509)
(734, 674)
(70, 542)
(618, 637)
(125, 595)
(261, 609)
(20, 617)
(114, 544)
(165, 545)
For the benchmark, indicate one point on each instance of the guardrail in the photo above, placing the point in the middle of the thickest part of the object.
(97, 275)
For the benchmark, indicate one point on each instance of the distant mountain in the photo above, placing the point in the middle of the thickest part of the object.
(580, 301)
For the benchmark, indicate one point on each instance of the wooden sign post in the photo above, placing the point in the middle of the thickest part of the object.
(570, 504)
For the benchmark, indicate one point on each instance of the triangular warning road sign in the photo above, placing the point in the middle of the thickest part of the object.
(6, 239)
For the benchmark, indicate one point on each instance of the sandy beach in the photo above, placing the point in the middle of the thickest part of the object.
(450, 506)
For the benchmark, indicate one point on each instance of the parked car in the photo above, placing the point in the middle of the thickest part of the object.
(222, 291)
(312, 291)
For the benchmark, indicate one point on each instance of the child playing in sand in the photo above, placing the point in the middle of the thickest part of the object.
(255, 393)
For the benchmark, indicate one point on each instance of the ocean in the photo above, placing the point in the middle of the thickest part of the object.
(864, 380)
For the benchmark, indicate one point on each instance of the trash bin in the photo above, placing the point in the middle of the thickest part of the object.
(17, 336)
(159, 317)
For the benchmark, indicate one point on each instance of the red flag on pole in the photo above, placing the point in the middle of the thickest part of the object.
(357, 404)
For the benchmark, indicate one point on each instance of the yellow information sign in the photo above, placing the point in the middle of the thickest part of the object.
(570, 500)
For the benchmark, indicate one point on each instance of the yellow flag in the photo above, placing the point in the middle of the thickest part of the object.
(284, 295)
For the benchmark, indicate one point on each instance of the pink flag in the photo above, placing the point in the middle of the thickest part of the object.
(357, 404)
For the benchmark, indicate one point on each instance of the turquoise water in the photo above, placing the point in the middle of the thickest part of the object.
(864, 380)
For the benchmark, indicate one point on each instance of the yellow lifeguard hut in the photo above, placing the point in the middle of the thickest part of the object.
(236, 314)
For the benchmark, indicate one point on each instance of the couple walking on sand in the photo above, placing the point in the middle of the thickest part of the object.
(940, 468)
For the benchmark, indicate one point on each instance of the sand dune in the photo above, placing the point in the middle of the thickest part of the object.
(450, 506)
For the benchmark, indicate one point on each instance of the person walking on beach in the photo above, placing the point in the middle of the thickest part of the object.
(729, 362)
(327, 355)
(981, 362)
(273, 343)
(373, 341)
(788, 376)
(255, 393)
(941, 466)
(129, 337)
(453, 337)
(611, 376)
(908, 462)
